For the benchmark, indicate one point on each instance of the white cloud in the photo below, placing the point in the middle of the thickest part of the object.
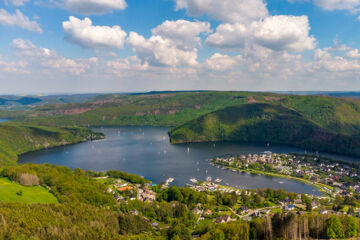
(12, 67)
(83, 33)
(229, 36)
(279, 32)
(219, 62)
(16, 2)
(358, 18)
(284, 33)
(354, 53)
(96, 7)
(225, 10)
(37, 57)
(159, 51)
(184, 34)
(331, 5)
(324, 60)
(351, 5)
(19, 20)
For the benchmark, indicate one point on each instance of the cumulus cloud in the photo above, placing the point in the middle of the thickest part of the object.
(229, 36)
(354, 53)
(184, 34)
(83, 33)
(96, 7)
(225, 10)
(279, 32)
(159, 51)
(18, 20)
(284, 33)
(219, 62)
(48, 59)
(324, 60)
(16, 2)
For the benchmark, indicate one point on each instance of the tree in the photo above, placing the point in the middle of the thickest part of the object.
(351, 227)
(334, 227)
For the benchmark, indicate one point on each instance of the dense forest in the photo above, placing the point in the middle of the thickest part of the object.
(16, 139)
(264, 123)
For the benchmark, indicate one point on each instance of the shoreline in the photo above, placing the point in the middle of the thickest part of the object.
(318, 186)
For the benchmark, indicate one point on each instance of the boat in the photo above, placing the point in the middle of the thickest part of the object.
(218, 180)
(188, 149)
(208, 179)
(169, 180)
(193, 180)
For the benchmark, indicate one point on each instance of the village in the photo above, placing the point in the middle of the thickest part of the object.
(329, 176)
(332, 177)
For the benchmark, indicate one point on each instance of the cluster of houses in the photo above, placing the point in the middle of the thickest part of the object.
(314, 169)
(122, 189)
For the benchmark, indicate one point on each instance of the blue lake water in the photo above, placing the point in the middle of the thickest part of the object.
(3, 120)
(146, 151)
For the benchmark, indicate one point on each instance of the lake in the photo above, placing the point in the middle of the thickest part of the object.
(3, 120)
(146, 151)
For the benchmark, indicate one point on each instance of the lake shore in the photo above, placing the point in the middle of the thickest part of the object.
(318, 186)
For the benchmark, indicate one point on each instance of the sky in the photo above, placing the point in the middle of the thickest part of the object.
(79, 46)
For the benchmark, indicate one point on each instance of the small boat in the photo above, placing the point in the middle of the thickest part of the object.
(208, 179)
(193, 180)
(188, 149)
(169, 180)
(218, 180)
(281, 182)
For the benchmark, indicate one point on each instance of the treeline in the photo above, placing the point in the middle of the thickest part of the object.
(133, 178)
(58, 221)
(284, 226)
(67, 185)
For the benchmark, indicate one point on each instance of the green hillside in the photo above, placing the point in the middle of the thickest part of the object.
(266, 123)
(17, 139)
(337, 118)
(14, 192)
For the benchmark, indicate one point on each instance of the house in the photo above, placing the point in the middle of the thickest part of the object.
(289, 207)
(155, 224)
(315, 205)
(196, 211)
(256, 214)
(126, 188)
(208, 212)
(134, 212)
(223, 219)
(323, 211)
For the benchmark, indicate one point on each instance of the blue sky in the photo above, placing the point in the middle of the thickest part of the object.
(122, 45)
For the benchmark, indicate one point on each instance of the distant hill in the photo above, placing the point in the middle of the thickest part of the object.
(22, 101)
(334, 117)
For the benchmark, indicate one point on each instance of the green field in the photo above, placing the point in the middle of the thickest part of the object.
(9, 193)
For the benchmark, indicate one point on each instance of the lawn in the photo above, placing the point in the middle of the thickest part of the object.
(10, 192)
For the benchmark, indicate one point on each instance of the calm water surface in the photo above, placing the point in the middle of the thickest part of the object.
(3, 120)
(146, 151)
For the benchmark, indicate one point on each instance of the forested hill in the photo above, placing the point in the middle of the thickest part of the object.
(16, 139)
(266, 123)
(329, 118)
